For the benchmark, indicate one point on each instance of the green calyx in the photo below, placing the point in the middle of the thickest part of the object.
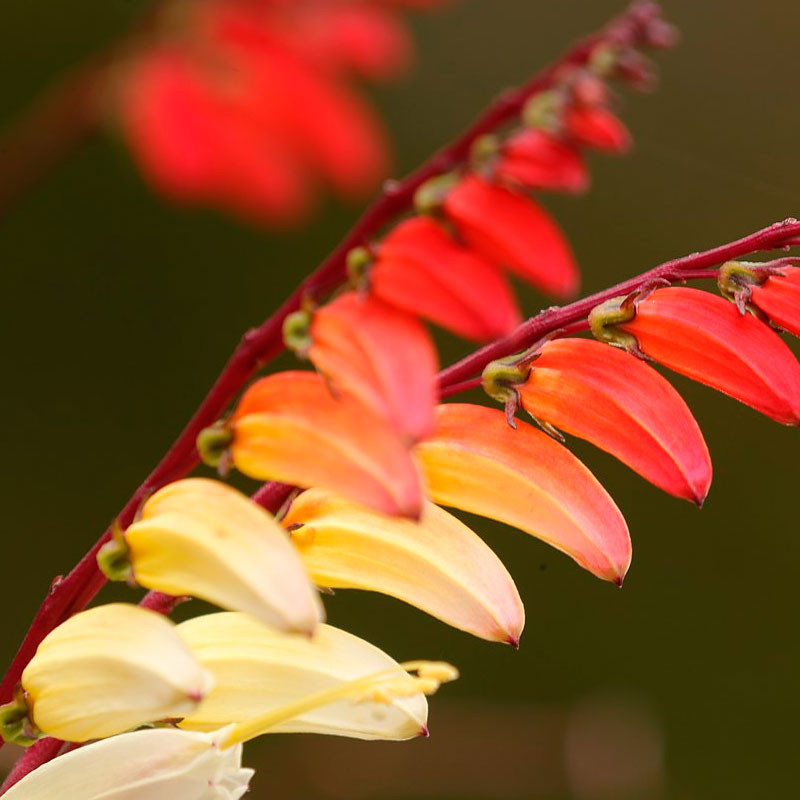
(544, 110)
(16, 725)
(429, 198)
(213, 444)
(484, 151)
(113, 558)
(297, 332)
(736, 280)
(501, 378)
(604, 319)
(359, 261)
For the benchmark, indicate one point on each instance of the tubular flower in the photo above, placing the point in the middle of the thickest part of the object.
(703, 336)
(619, 404)
(202, 538)
(513, 231)
(377, 353)
(438, 565)
(421, 269)
(145, 765)
(522, 477)
(538, 159)
(779, 298)
(597, 127)
(257, 672)
(105, 671)
(284, 418)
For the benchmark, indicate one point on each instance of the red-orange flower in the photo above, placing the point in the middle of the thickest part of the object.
(419, 268)
(779, 298)
(379, 354)
(514, 231)
(703, 336)
(596, 127)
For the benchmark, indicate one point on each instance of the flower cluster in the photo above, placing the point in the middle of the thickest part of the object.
(248, 104)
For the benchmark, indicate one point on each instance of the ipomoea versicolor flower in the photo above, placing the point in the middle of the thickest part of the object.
(202, 538)
(437, 564)
(523, 477)
(704, 337)
(290, 427)
(615, 401)
(156, 764)
(108, 670)
(173, 764)
(378, 353)
(257, 671)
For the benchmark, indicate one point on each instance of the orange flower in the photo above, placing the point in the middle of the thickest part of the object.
(522, 477)
(289, 427)
(779, 298)
(596, 127)
(377, 353)
(618, 403)
(704, 337)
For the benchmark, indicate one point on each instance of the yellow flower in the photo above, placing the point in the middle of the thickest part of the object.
(108, 670)
(203, 538)
(438, 564)
(258, 671)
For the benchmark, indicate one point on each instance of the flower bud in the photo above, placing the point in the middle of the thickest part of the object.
(258, 671)
(598, 128)
(110, 669)
(146, 765)
(203, 538)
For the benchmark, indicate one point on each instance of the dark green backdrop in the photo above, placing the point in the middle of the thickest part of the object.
(119, 310)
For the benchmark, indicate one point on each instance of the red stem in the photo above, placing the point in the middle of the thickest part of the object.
(72, 593)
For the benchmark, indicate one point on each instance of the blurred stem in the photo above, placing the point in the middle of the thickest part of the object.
(54, 126)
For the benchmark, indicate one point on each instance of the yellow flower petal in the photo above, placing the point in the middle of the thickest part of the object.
(146, 765)
(110, 669)
(257, 670)
(203, 538)
(438, 565)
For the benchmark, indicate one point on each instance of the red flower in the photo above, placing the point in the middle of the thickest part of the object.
(420, 269)
(598, 128)
(536, 159)
(779, 298)
(515, 232)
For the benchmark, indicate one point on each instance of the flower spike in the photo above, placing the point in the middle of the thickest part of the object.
(377, 353)
(107, 670)
(524, 478)
(621, 405)
(705, 338)
(283, 418)
(202, 538)
(259, 672)
(438, 564)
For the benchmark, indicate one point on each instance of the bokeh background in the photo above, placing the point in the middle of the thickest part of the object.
(118, 311)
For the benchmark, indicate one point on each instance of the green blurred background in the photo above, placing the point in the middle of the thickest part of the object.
(119, 310)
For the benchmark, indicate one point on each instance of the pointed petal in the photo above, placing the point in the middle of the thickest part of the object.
(438, 565)
(522, 477)
(257, 670)
(779, 298)
(536, 159)
(423, 271)
(623, 406)
(146, 765)
(110, 669)
(202, 538)
(705, 338)
(597, 127)
(290, 428)
(381, 355)
(514, 231)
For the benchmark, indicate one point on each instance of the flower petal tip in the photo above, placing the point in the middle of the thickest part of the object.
(424, 732)
(513, 641)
